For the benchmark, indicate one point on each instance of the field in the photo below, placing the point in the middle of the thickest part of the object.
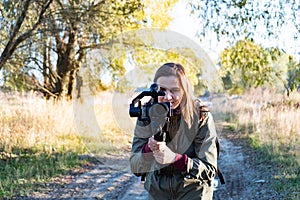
(268, 121)
(40, 140)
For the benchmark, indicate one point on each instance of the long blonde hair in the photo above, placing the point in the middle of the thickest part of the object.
(187, 103)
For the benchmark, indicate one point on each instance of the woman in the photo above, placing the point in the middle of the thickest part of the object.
(184, 166)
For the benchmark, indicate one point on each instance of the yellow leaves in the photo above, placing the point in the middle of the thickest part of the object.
(157, 12)
(150, 59)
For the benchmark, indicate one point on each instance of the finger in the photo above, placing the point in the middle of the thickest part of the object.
(152, 144)
(155, 146)
(158, 158)
(156, 154)
(152, 140)
(161, 146)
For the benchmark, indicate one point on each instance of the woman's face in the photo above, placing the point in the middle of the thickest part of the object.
(172, 88)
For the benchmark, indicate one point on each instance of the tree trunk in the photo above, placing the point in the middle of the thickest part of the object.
(46, 85)
(65, 82)
(66, 65)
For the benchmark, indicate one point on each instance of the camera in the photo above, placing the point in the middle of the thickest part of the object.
(151, 109)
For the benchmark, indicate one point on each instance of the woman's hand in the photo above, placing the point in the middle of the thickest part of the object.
(152, 144)
(163, 154)
(161, 151)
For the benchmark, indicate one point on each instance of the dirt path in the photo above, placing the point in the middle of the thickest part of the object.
(111, 179)
(243, 179)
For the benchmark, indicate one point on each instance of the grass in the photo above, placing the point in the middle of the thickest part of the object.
(284, 167)
(269, 121)
(24, 171)
(40, 140)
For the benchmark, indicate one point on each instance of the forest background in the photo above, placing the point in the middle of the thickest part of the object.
(68, 70)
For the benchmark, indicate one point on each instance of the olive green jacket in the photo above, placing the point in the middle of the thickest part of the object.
(197, 142)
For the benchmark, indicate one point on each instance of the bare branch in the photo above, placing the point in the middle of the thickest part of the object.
(13, 43)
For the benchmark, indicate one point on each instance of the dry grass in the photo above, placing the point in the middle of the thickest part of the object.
(272, 117)
(104, 119)
(101, 124)
(31, 122)
(41, 139)
(38, 140)
(28, 121)
(270, 121)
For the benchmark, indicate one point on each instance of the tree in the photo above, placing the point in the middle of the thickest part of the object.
(134, 50)
(70, 29)
(248, 65)
(19, 29)
(59, 43)
(158, 47)
(293, 76)
(126, 48)
(20, 21)
(234, 20)
(82, 26)
(263, 22)
(157, 12)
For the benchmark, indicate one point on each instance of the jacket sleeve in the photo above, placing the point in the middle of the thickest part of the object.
(204, 164)
(139, 161)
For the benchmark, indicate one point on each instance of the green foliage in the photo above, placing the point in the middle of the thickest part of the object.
(60, 35)
(128, 49)
(157, 57)
(15, 82)
(248, 65)
(285, 168)
(75, 26)
(139, 53)
(149, 59)
(238, 19)
(293, 75)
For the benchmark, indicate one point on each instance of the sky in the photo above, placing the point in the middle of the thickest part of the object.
(187, 25)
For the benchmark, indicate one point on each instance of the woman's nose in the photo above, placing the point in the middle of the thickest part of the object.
(168, 95)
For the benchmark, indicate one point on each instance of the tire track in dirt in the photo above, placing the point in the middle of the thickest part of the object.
(245, 179)
(113, 180)
(136, 191)
(232, 165)
(101, 182)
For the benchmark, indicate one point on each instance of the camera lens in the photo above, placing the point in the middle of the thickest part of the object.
(158, 110)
